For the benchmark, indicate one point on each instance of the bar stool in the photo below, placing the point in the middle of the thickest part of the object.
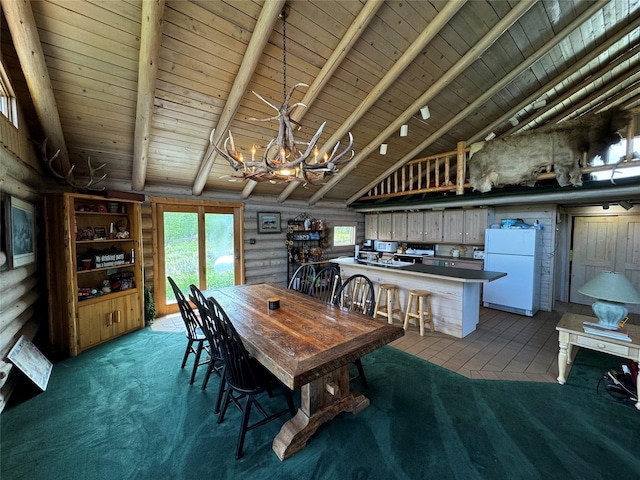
(388, 293)
(419, 307)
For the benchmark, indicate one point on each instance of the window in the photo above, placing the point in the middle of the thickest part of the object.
(8, 105)
(617, 152)
(344, 235)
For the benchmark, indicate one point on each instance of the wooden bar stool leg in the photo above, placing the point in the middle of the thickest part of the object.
(389, 307)
(421, 314)
(378, 298)
(398, 310)
(408, 314)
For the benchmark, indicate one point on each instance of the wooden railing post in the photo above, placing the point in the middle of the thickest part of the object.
(461, 167)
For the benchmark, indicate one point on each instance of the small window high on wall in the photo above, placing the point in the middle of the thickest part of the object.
(344, 235)
(8, 105)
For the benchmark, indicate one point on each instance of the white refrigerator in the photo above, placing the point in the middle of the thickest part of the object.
(518, 253)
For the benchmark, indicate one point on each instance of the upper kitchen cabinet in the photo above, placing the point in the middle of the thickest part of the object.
(453, 226)
(371, 226)
(424, 226)
(385, 226)
(398, 227)
(432, 227)
(415, 226)
(464, 226)
(475, 224)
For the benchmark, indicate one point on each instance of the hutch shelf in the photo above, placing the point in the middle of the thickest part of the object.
(94, 265)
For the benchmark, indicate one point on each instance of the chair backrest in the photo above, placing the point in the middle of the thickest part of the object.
(206, 320)
(238, 371)
(357, 294)
(302, 279)
(326, 284)
(191, 321)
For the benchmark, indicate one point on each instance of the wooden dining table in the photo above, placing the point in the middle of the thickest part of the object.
(308, 345)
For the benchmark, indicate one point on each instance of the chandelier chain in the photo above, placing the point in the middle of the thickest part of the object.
(284, 55)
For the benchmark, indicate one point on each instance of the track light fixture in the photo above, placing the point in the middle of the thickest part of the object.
(625, 204)
(424, 111)
(404, 130)
(383, 149)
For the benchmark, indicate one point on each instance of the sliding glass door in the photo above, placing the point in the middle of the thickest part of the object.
(196, 244)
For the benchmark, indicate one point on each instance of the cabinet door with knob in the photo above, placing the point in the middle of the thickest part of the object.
(475, 225)
(432, 226)
(453, 226)
(100, 321)
(415, 226)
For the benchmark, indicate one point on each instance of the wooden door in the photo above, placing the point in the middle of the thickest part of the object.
(126, 314)
(628, 252)
(594, 250)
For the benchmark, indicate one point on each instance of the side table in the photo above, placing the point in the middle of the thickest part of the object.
(570, 332)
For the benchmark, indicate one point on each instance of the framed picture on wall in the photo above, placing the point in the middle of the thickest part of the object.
(269, 222)
(20, 232)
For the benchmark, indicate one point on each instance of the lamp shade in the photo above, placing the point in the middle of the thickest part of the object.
(611, 286)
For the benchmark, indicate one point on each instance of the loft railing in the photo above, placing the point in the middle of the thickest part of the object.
(447, 172)
(434, 173)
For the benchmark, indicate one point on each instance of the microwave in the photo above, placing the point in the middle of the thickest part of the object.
(385, 247)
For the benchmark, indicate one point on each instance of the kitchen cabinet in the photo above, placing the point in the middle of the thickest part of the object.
(432, 227)
(453, 226)
(398, 227)
(94, 269)
(475, 225)
(371, 226)
(464, 226)
(415, 226)
(385, 226)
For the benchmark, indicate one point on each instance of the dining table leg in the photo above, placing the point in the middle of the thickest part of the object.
(320, 401)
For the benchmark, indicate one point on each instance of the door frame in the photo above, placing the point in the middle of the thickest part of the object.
(161, 204)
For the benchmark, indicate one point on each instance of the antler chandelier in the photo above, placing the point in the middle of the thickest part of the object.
(283, 160)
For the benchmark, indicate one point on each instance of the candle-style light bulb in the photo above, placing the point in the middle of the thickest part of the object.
(253, 153)
(315, 155)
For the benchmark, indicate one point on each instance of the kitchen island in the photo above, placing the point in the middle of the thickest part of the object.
(455, 292)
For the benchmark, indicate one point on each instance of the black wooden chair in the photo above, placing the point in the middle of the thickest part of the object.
(326, 284)
(246, 378)
(357, 294)
(196, 339)
(302, 279)
(216, 363)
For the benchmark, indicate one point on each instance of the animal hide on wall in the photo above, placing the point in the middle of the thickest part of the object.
(520, 158)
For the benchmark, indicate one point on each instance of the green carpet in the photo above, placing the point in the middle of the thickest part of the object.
(125, 410)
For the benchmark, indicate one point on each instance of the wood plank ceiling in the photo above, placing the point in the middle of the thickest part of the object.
(140, 85)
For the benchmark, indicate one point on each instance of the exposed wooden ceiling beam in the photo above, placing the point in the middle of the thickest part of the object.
(601, 48)
(441, 19)
(351, 36)
(469, 109)
(26, 40)
(150, 41)
(471, 56)
(264, 27)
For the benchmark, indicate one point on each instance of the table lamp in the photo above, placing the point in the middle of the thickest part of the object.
(611, 291)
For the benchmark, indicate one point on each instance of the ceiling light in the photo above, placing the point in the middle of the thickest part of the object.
(491, 136)
(539, 104)
(626, 205)
(424, 111)
(605, 206)
(404, 130)
(513, 121)
(281, 160)
(383, 149)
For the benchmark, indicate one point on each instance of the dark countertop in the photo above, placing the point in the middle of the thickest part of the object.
(453, 272)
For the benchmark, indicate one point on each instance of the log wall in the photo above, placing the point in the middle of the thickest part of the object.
(23, 297)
